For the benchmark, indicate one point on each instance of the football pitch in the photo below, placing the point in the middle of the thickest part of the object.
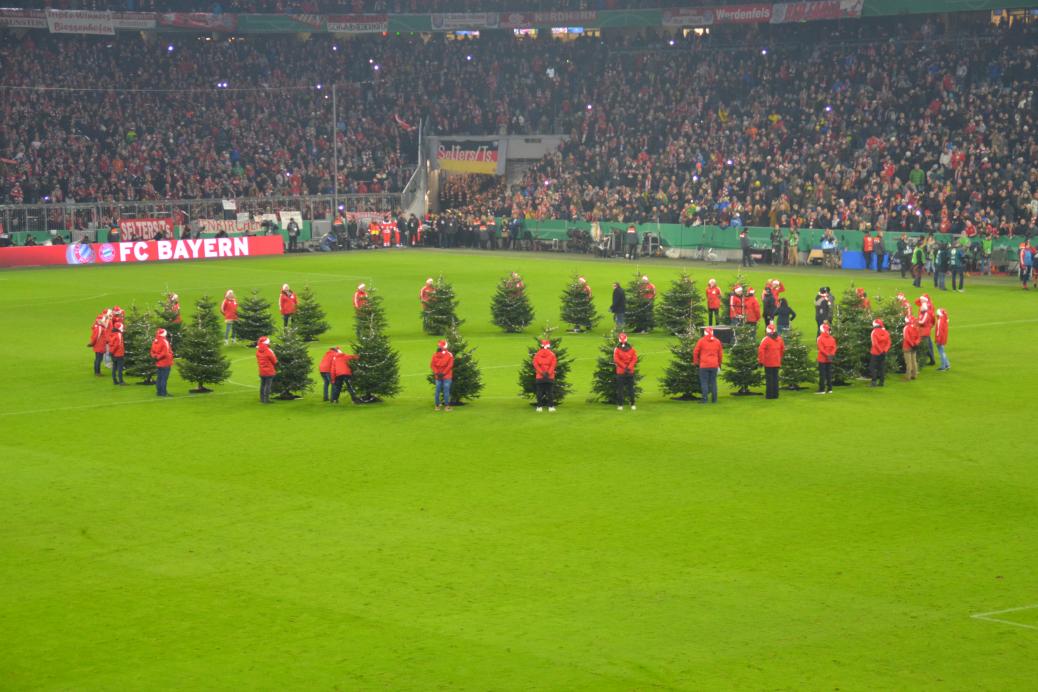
(872, 539)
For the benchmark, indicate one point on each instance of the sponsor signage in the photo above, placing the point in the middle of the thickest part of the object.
(22, 19)
(743, 14)
(358, 23)
(815, 11)
(80, 22)
(141, 251)
(452, 21)
(230, 226)
(145, 229)
(688, 16)
(204, 21)
(529, 20)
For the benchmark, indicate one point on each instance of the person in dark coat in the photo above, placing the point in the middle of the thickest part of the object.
(619, 306)
(783, 316)
(823, 307)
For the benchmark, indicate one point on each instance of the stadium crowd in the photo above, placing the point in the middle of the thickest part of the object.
(925, 129)
(353, 6)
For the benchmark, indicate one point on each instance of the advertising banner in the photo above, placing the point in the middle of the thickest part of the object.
(145, 229)
(134, 21)
(759, 13)
(22, 19)
(279, 23)
(469, 156)
(817, 10)
(229, 226)
(80, 22)
(140, 251)
(203, 21)
(454, 21)
(530, 20)
(358, 23)
(688, 16)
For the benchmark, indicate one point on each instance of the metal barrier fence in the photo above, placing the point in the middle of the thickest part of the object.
(87, 217)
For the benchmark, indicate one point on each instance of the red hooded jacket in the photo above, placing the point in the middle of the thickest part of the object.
(708, 353)
(625, 360)
(229, 308)
(341, 364)
(941, 337)
(287, 302)
(770, 351)
(326, 361)
(544, 362)
(266, 360)
(116, 345)
(161, 352)
(880, 341)
(713, 298)
(442, 365)
(912, 337)
(98, 338)
(752, 307)
(826, 348)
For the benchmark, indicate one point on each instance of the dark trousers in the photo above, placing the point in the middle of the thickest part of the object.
(117, 369)
(98, 359)
(618, 318)
(825, 377)
(545, 391)
(906, 265)
(879, 261)
(868, 260)
(340, 382)
(708, 384)
(878, 368)
(266, 383)
(917, 275)
(960, 276)
(161, 380)
(771, 385)
(747, 257)
(624, 389)
(285, 319)
(714, 316)
(326, 377)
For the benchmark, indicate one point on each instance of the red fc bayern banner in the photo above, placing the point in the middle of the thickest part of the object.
(141, 251)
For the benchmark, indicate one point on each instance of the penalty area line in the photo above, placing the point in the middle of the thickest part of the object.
(989, 616)
(86, 407)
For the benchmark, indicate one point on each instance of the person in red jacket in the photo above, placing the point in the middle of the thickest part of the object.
(751, 310)
(941, 337)
(713, 302)
(736, 307)
(117, 350)
(863, 299)
(585, 287)
(360, 297)
(909, 343)
(708, 355)
(647, 289)
(173, 303)
(325, 368)
(162, 354)
(625, 358)
(878, 353)
(925, 324)
(267, 362)
(769, 354)
(98, 342)
(544, 363)
(342, 376)
(229, 308)
(426, 293)
(442, 365)
(287, 301)
(826, 351)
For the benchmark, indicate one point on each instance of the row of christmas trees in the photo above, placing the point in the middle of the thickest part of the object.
(201, 360)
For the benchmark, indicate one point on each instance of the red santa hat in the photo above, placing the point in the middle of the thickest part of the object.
(771, 328)
(360, 287)
(429, 281)
(738, 289)
(826, 328)
(160, 332)
(711, 282)
(622, 337)
(442, 344)
(877, 323)
(229, 294)
(581, 279)
(284, 287)
(545, 344)
(750, 291)
(117, 310)
(264, 340)
(709, 332)
(645, 279)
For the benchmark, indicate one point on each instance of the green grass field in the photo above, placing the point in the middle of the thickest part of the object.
(210, 542)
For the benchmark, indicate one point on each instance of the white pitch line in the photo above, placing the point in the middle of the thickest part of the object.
(996, 324)
(988, 618)
(151, 400)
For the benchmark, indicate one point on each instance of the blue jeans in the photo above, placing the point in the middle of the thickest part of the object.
(618, 318)
(939, 279)
(231, 330)
(944, 358)
(117, 369)
(958, 279)
(100, 357)
(327, 377)
(443, 393)
(161, 379)
(708, 384)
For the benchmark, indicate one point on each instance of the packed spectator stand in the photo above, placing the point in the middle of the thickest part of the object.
(353, 6)
(883, 124)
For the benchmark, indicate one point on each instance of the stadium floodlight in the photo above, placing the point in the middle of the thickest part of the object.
(169, 48)
(828, 109)
(763, 51)
(671, 42)
(589, 106)
(335, 46)
(375, 67)
(319, 87)
(469, 58)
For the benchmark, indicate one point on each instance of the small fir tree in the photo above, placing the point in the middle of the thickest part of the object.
(376, 372)
(371, 315)
(440, 314)
(468, 380)
(796, 361)
(254, 319)
(294, 368)
(852, 329)
(578, 309)
(603, 382)
(201, 359)
(138, 332)
(527, 376)
(172, 322)
(681, 305)
(308, 319)
(640, 315)
(510, 307)
(742, 370)
(681, 379)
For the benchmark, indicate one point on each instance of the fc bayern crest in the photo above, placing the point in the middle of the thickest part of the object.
(79, 253)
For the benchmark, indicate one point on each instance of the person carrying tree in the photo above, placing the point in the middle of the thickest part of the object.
(342, 375)
(442, 365)
(544, 363)
(626, 359)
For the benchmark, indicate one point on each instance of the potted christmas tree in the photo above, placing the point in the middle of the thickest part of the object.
(796, 362)
(137, 336)
(527, 376)
(376, 372)
(201, 359)
(577, 307)
(294, 368)
(681, 379)
(681, 305)
(254, 319)
(308, 319)
(468, 380)
(741, 368)
(510, 307)
(440, 313)
(852, 329)
(603, 381)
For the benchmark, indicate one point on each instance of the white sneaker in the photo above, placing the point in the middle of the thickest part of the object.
(226, 342)
(619, 408)
(633, 407)
(539, 409)
(551, 409)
